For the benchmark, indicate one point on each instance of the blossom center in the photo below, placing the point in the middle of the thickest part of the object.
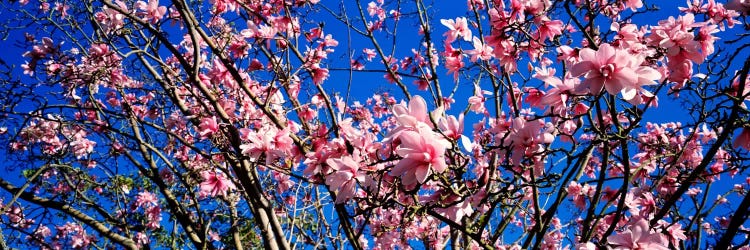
(607, 70)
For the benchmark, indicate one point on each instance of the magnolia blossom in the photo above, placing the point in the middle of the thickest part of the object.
(458, 28)
(208, 127)
(111, 19)
(154, 12)
(549, 28)
(675, 233)
(423, 152)
(615, 70)
(215, 184)
(318, 73)
(410, 116)
(344, 178)
(369, 54)
(457, 212)
(481, 51)
(82, 146)
(267, 141)
(638, 236)
(634, 4)
(153, 217)
(527, 138)
(146, 198)
(476, 102)
(454, 61)
(451, 127)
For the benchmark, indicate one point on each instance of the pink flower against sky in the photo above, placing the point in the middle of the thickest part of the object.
(154, 12)
(454, 61)
(146, 198)
(451, 126)
(548, 29)
(481, 51)
(208, 126)
(344, 178)
(267, 142)
(613, 69)
(529, 133)
(215, 184)
(111, 19)
(423, 153)
(415, 112)
(638, 236)
(458, 28)
(633, 4)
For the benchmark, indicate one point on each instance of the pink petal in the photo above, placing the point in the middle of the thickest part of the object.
(639, 230)
(587, 55)
(337, 179)
(400, 110)
(581, 68)
(410, 139)
(403, 166)
(605, 54)
(439, 165)
(421, 173)
(418, 108)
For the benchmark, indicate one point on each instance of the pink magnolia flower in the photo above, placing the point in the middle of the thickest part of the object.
(638, 235)
(549, 28)
(154, 12)
(153, 217)
(215, 184)
(422, 84)
(454, 61)
(208, 127)
(141, 239)
(80, 240)
(506, 50)
(676, 37)
(613, 69)
(267, 142)
(369, 54)
(458, 28)
(675, 234)
(374, 9)
(527, 138)
(476, 102)
(344, 178)
(456, 212)
(412, 114)
(42, 232)
(62, 8)
(627, 32)
(451, 127)
(82, 146)
(481, 51)
(318, 73)
(423, 153)
(633, 4)
(146, 198)
(218, 72)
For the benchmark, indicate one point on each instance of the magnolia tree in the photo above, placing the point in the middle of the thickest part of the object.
(520, 124)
